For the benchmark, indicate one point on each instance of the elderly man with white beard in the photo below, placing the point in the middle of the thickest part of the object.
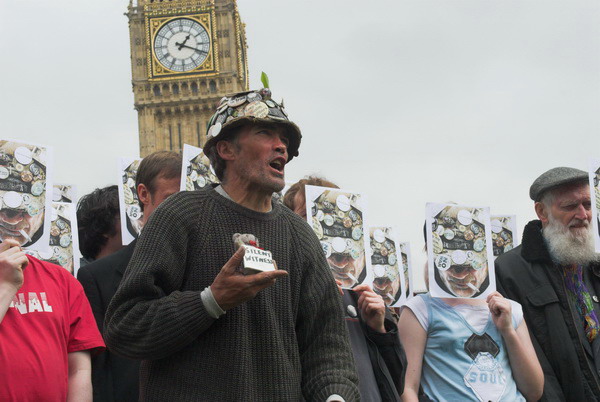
(555, 275)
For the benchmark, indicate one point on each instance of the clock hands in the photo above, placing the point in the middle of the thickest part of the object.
(180, 45)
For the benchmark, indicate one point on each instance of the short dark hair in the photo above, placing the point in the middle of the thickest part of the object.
(97, 215)
(164, 164)
(218, 163)
(231, 135)
(288, 198)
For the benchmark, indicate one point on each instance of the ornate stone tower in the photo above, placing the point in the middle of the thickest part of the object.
(185, 56)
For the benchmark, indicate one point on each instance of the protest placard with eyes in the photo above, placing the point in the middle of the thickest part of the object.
(337, 217)
(407, 269)
(196, 171)
(459, 249)
(594, 174)
(64, 241)
(25, 193)
(129, 205)
(504, 233)
(386, 262)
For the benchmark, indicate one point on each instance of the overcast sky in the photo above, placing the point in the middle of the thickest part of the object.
(404, 101)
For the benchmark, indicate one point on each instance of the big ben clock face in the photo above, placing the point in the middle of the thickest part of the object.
(181, 45)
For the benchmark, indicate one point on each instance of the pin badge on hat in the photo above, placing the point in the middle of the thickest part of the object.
(23, 155)
(339, 244)
(379, 236)
(496, 226)
(12, 199)
(215, 130)
(379, 271)
(464, 217)
(343, 202)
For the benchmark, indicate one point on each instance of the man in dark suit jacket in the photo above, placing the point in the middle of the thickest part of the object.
(115, 378)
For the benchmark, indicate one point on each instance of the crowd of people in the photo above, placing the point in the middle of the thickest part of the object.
(172, 317)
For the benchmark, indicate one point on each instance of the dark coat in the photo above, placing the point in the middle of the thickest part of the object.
(383, 352)
(114, 378)
(527, 275)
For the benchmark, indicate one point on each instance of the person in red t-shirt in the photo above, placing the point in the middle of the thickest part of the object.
(47, 331)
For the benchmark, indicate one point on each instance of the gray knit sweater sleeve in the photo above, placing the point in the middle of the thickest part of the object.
(328, 365)
(150, 317)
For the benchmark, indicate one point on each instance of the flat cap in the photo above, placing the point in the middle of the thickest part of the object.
(553, 178)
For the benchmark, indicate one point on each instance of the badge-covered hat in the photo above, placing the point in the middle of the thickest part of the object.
(553, 178)
(22, 178)
(458, 238)
(251, 107)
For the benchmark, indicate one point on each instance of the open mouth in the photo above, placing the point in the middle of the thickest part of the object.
(278, 164)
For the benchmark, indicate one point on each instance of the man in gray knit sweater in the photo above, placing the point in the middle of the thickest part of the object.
(204, 330)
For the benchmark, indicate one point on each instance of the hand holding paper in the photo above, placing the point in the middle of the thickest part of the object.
(12, 262)
(232, 288)
(372, 307)
(501, 312)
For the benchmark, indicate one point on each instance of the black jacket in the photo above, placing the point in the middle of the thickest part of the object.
(527, 275)
(114, 378)
(382, 352)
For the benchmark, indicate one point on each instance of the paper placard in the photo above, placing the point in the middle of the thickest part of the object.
(196, 171)
(408, 270)
(504, 233)
(460, 251)
(386, 262)
(338, 219)
(129, 204)
(64, 241)
(26, 193)
(594, 175)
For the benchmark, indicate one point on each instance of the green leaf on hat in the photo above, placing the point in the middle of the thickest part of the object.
(265, 80)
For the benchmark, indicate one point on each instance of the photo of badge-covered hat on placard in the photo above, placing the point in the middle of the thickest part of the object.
(129, 204)
(278, 197)
(504, 233)
(594, 173)
(407, 268)
(196, 172)
(64, 243)
(337, 217)
(459, 250)
(25, 193)
(64, 193)
(388, 278)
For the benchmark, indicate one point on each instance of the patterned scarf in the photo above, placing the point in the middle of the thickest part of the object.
(579, 295)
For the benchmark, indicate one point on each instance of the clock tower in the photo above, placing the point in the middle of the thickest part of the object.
(185, 56)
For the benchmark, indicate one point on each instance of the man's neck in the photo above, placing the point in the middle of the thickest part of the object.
(248, 197)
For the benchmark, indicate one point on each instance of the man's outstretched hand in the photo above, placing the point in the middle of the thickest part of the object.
(232, 288)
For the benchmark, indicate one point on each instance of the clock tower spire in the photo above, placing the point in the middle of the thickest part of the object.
(185, 56)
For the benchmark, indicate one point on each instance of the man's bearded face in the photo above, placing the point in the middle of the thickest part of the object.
(567, 229)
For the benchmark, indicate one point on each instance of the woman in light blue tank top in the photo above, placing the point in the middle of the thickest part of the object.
(453, 361)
